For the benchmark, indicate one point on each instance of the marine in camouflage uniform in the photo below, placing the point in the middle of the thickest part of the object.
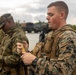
(10, 62)
(56, 55)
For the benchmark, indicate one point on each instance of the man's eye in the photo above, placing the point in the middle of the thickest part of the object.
(51, 15)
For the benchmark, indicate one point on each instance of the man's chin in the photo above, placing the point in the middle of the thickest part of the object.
(50, 27)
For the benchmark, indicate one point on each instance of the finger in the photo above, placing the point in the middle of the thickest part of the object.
(21, 56)
(19, 51)
(19, 44)
(24, 42)
(24, 53)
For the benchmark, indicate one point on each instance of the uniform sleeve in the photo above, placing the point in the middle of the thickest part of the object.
(14, 58)
(65, 63)
(1, 35)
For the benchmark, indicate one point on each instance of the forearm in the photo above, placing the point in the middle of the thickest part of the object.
(54, 67)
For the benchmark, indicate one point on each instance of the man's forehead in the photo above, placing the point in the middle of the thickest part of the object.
(51, 9)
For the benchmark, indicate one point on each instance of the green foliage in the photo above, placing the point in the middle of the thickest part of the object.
(40, 22)
(74, 27)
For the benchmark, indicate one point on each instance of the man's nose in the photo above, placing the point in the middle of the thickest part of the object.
(47, 18)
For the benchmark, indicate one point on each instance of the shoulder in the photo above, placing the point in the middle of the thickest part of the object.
(68, 36)
(69, 33)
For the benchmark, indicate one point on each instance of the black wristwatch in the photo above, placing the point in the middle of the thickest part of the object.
(34, 62)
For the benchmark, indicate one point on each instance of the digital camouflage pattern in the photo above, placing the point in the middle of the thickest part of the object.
(1, 35)
(10, 62)
(58, 55)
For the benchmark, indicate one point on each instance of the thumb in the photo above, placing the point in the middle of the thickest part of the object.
(24, 53)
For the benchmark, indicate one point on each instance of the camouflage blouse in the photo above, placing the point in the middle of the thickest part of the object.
(8, 52)
(65, 62)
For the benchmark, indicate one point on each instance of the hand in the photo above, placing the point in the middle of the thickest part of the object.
(27, 58)
(22, 47)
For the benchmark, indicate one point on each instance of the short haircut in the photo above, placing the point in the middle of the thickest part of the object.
(60, 5)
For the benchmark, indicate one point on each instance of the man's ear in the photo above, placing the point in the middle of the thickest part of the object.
(62, 15)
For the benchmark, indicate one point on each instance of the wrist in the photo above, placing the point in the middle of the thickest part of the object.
(34, 62)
